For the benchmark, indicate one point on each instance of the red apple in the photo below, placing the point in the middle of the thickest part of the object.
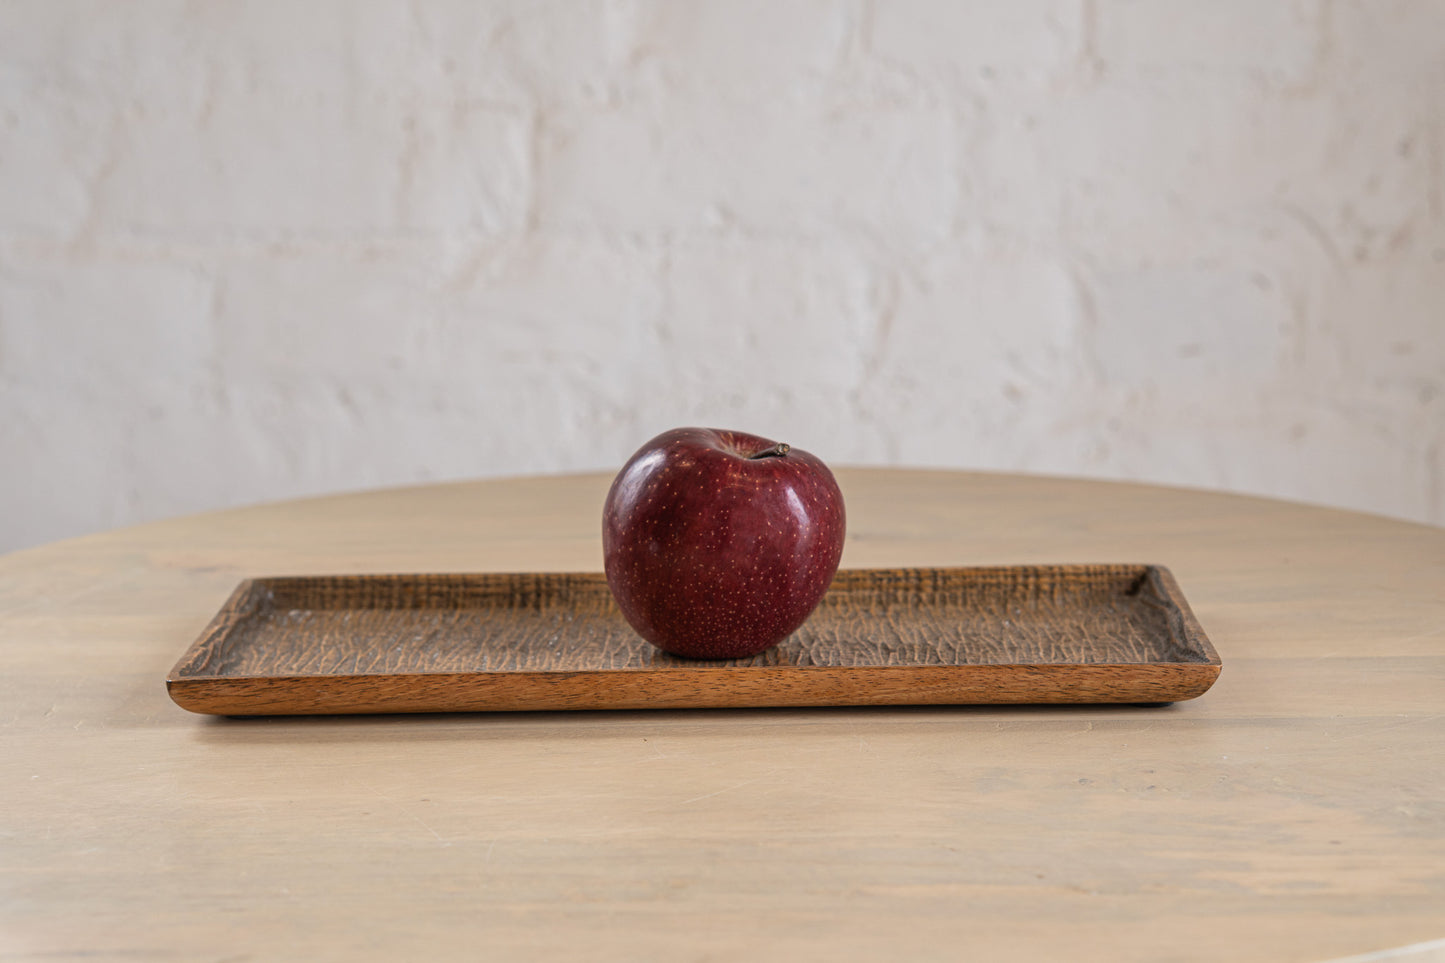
(719, 544)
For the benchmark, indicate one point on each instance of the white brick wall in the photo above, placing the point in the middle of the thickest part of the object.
(252, 251)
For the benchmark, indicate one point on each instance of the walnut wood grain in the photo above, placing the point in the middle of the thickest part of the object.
(429, 643)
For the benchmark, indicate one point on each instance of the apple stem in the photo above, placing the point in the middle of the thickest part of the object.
(776, 451)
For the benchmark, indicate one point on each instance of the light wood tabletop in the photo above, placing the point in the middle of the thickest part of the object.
(1294, 812)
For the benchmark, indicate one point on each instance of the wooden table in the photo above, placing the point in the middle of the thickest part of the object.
(1295, 812)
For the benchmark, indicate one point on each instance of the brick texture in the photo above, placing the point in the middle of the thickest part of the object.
(253, 251)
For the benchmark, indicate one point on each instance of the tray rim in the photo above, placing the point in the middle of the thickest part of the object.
(179, 681)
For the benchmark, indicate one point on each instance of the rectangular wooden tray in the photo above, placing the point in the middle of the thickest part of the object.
(443, 643)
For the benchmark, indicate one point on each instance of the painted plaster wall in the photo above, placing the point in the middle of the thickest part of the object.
(258, 250)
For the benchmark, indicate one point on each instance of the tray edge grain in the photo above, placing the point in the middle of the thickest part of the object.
(715, 686)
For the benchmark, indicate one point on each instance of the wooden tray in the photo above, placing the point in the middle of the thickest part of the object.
(438, 643)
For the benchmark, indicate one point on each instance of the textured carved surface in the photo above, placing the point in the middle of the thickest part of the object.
(1084, 633)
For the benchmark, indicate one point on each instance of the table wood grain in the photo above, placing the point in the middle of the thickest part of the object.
(1292, 813)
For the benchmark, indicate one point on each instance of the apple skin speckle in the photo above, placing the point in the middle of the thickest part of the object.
(719, 544)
